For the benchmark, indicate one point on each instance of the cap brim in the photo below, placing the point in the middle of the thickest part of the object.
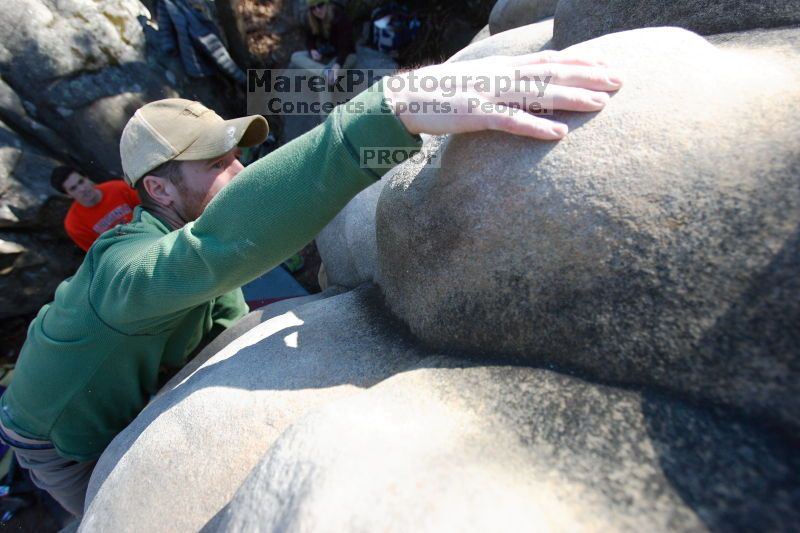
(223, 137)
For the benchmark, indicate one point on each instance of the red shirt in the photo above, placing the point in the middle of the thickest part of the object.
(85, 224)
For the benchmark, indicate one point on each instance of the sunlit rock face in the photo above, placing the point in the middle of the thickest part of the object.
(657, 244)
(448, 448)
(181, 460)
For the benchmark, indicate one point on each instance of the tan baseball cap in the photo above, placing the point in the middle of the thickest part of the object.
(182, 130)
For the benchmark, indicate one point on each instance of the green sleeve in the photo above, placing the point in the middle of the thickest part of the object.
(272, 209)
(227, 310)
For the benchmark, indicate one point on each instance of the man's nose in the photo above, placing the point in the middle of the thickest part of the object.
(236, 167)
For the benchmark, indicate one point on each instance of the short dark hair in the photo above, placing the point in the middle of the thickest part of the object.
(59, 175)
(170, 170)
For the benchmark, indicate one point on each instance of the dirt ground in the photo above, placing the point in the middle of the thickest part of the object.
(272, 34)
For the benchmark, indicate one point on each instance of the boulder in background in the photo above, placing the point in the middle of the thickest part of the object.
(581, 20)
(508, 14)
(514, 42)
(85, 67)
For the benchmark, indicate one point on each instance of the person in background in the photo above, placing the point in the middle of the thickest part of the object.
(329, 40)
(97, 207)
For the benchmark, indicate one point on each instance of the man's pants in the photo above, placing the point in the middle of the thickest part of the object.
(66, 480)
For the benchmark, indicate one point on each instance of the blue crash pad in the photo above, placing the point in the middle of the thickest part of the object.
(277, 284)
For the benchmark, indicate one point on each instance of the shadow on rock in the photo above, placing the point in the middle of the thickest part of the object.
(248, 393)
(734, 476)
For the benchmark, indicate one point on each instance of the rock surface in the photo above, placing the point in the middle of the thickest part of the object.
(514, 449)
(509, 14)
(64, 57)
(518, 41)
(455, 35)
(182, 459)
(12, 111)
(35, 253)
(644, 270)
(581, 20)
(368, 58)
(31, 267)
(484, 33)
(650, 247)
(347, 244)
(25, 190)
(240, 328)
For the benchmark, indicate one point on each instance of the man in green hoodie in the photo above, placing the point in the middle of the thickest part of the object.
(150, 292)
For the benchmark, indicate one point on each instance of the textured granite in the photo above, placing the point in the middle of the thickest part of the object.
(515, 449)
(581, 20)
(656, 245)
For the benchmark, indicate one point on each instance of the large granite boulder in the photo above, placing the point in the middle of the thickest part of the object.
(26, 198)
(13, 112)
(646, 249)
(515, 449)
(63, 57)
(240, 328)
(31, 267)
(508, 14)
(581, 20)
(347, 245)
(183, 457)
(784, 40)
(35, 253)
(656, 245)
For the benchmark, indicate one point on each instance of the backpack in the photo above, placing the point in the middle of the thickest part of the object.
(392, 27)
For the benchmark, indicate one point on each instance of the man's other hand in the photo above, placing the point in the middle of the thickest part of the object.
(520, 92)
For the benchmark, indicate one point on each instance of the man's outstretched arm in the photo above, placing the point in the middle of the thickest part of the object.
(279, 203)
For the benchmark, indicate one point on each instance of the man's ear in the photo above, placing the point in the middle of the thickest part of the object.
(161, 190)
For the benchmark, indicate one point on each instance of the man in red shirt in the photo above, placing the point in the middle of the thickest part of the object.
(97, 207)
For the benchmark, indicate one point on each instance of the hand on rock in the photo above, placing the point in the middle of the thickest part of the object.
(505, 93)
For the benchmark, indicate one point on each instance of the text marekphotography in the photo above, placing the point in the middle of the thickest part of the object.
(303, 92)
